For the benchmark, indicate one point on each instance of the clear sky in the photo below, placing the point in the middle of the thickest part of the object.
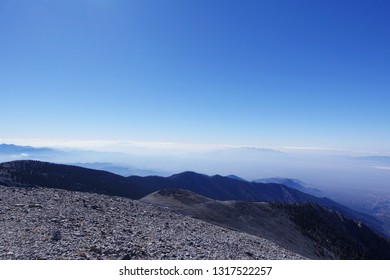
(251, 72)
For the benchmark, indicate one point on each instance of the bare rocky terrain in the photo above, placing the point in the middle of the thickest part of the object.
(256, 218)
(44, 223)
(305, 228)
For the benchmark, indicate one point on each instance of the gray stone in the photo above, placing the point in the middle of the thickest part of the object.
(126, 229)
(56, 235)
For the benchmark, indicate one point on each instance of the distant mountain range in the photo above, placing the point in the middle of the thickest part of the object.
(117, 169)
(10, 149)
(381, 159)
(292, 183)
(14, 152)
(36, 173)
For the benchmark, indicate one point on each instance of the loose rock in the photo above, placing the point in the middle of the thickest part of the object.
(118, 228)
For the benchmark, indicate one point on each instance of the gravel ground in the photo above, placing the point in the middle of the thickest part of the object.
(40, 223)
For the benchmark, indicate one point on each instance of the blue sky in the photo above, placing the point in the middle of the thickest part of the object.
(254, 73)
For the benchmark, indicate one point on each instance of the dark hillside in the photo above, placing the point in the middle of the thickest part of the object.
(347, 238)
(215, 187)
(65, 177)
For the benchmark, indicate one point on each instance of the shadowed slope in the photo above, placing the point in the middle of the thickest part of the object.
(305, 228)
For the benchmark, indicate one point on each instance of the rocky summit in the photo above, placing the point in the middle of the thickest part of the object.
(44, 223)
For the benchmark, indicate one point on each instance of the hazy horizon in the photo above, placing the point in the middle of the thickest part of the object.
(324, 169)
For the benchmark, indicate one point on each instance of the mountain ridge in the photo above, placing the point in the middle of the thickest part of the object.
(292, 183)
(215, 187)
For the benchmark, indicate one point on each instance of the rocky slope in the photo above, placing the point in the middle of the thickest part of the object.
(305, 228)
(44, 223)
(256, 218)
